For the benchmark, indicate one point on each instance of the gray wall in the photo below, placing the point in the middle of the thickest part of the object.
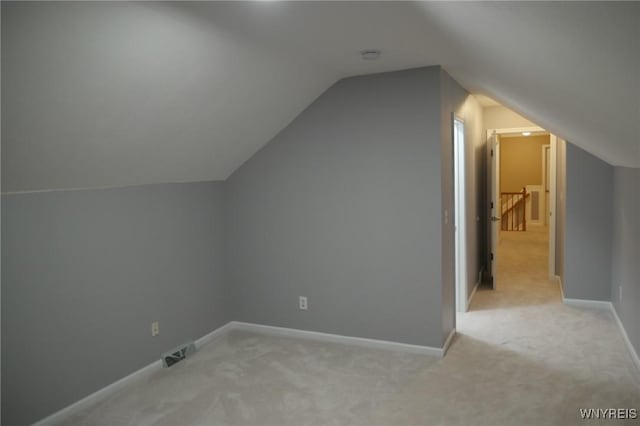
(456, 99)
(561, 207)
(476, 193)
(589, 226)
(626, 250)
(343, 206)
(451, 96)
(115, 93)
(86, 272)
(1, 381)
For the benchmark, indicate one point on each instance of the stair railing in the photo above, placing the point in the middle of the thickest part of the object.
(514, 210)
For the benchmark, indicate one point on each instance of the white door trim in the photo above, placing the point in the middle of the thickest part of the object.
(552, 205)
(460, 213)
(515, 130)
(546, 182)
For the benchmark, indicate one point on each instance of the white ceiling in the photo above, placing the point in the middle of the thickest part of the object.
(107, 94)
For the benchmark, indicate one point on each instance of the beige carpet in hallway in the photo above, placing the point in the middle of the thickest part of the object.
(520, 358)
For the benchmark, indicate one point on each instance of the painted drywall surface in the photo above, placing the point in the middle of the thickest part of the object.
(521, 162)
(451, 96)
(625, 251)
(454, 99)
(480, 155)
(589, 227)
(0, 238)
(112, 82)
(84, 275)
(476, 162)
(343, 206)
(561, 207)
(119, 93)
(500, 117)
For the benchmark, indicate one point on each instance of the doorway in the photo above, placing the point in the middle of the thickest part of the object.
(537, 196)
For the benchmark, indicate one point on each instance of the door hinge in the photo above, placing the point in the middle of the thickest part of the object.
(491, 256)
(492, 153)
(492, 204)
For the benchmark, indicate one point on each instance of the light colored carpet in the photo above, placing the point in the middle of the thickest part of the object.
(520, 358)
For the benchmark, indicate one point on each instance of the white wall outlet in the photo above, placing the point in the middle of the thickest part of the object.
(302, 302)
(619, 292)
(155, 328)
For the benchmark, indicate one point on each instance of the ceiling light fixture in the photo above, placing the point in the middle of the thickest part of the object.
(370, 54)
(526, 133)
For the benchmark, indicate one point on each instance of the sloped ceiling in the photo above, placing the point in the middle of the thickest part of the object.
(108, 94)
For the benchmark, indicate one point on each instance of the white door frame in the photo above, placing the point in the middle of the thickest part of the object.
(493, 197)
(552, 193)
(460, 212)
(546, 166)
(552, 205)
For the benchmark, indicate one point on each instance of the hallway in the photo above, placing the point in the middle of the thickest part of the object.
(529, 356)
(522, 271)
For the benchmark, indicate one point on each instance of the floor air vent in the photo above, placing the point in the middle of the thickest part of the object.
(178, 354)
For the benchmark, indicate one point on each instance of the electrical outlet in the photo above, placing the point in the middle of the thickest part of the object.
(302, 302)
(155, 328)
(619, 292)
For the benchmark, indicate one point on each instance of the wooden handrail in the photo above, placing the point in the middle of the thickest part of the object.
(513, 201)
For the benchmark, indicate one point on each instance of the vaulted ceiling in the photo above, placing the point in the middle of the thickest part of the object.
(108, 94)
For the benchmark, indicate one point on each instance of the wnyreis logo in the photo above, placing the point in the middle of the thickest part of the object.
(609, 413)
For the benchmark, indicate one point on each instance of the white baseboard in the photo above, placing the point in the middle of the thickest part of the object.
(337, 338)
(114, 387)
(447, 342)
(473, 293)
(584, 303)
(608, 306)
(109, 390)
(557, 277)
(103, 393)
(475, 288)
(625, 336)
(218, 332)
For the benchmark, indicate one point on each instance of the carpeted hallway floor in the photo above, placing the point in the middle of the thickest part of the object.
(520, 357)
